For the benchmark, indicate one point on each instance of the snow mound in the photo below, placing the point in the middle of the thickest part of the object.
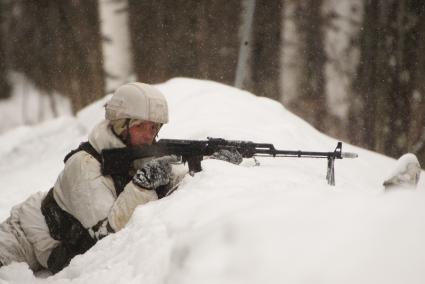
(274, 223)
(406, 172)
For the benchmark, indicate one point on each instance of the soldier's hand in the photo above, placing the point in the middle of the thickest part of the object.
(155, 173)
(229, 155)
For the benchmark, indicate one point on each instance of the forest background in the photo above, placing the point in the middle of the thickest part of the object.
(353, 69)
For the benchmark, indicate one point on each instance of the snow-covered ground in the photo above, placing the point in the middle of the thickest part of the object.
(274, 223)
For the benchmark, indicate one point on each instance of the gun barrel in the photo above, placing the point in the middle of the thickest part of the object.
(299, 154)
(271, 151)
(349, 155)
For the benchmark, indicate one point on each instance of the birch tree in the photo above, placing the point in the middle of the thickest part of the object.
(116, 46)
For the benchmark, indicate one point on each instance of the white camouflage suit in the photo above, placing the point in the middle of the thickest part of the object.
(80, 190)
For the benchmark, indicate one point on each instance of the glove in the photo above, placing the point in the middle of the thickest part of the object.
(229, 155)
(155, 173)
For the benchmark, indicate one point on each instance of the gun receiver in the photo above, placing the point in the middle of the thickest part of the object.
(118, 160)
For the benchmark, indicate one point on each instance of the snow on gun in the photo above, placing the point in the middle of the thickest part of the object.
(119, 160)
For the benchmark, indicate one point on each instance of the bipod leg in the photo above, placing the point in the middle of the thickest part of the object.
(330, 175)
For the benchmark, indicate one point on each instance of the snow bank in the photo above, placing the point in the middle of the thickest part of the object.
(274, 223)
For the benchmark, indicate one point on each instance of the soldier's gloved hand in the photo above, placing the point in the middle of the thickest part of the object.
(155, 173)
(229, 155)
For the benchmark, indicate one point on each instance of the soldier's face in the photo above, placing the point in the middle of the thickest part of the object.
(143, 133)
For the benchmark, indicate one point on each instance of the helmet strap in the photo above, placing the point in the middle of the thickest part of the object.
(156, 136)
(125, 135)
(127, 138)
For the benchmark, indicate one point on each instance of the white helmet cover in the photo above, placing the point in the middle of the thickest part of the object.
(137, 101)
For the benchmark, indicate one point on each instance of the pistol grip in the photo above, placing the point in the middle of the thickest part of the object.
(194, 163)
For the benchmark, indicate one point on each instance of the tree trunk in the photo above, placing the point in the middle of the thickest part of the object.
(4, 84)
(245, 35)
(362, 113)
(266, 51)
(416, 61)
(311, 98)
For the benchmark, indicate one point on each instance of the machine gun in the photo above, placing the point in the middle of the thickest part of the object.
(119, 160)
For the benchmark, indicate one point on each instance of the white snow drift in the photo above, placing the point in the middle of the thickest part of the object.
(274, 223)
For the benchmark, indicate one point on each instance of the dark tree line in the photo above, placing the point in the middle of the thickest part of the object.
(57, 45)
(388, 89)
(201, 39)
(188, 38)
(387, 105)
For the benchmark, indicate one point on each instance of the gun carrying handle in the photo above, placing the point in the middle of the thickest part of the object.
(194, 163)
